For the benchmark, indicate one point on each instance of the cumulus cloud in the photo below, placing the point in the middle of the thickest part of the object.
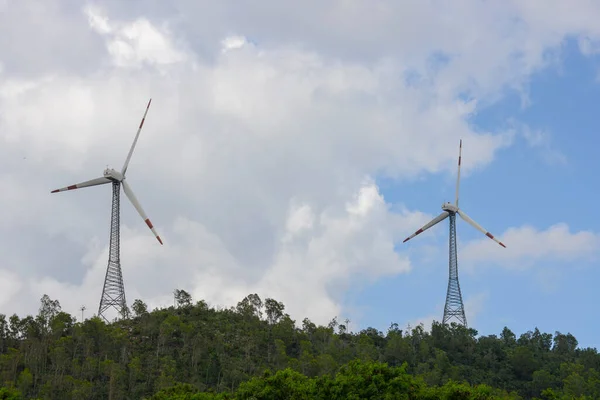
(268, 128)
(313, 261)
(528, 246)
(130, 44)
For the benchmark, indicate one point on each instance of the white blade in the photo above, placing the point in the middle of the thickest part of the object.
(458, 175)
(93, 182)
(428, 225)
(478, 227)
(137, 135)
(138, 207)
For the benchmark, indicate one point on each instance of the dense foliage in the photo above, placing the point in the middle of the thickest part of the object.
(255, 350)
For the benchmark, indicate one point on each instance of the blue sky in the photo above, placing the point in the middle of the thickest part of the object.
(523, 185)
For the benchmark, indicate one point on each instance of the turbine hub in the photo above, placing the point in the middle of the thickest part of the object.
(451, 208)
(110, 173)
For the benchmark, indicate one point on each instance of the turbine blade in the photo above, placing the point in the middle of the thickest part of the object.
(428, 225)
(93, 182)
(458, 175)
(137, 135)
(478, 227)
(138, 207)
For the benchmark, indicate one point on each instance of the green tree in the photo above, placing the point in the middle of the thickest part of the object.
(183, 298)
(139, 308)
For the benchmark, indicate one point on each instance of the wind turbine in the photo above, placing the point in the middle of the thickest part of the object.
(113, 292)
(454, 307)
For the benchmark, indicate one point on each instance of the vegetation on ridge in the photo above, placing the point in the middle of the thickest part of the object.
(255, 350)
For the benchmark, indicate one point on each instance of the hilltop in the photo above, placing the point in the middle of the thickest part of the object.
(255, 350)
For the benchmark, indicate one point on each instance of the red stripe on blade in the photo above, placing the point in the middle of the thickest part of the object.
(55, 191)
(72, 187)
(419, 231)
(489, 235)
(459, 157)
(502, 244)
(160, 241)
(149, 223)
(142, 123)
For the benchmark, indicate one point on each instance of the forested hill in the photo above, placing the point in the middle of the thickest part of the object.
(255, 350)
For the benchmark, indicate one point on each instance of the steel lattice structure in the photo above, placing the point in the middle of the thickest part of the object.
(454, 307)
(113, 291)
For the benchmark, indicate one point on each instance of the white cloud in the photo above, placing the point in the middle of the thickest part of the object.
(541, 139)
(97, 21)
(588, 46)
(256, 164)
(528, 247)
(314, 267)
(133, 43)
(233, 42)
(10, 284)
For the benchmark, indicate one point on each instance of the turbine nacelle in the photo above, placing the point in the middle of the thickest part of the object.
(451, 208)
(113, 174)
